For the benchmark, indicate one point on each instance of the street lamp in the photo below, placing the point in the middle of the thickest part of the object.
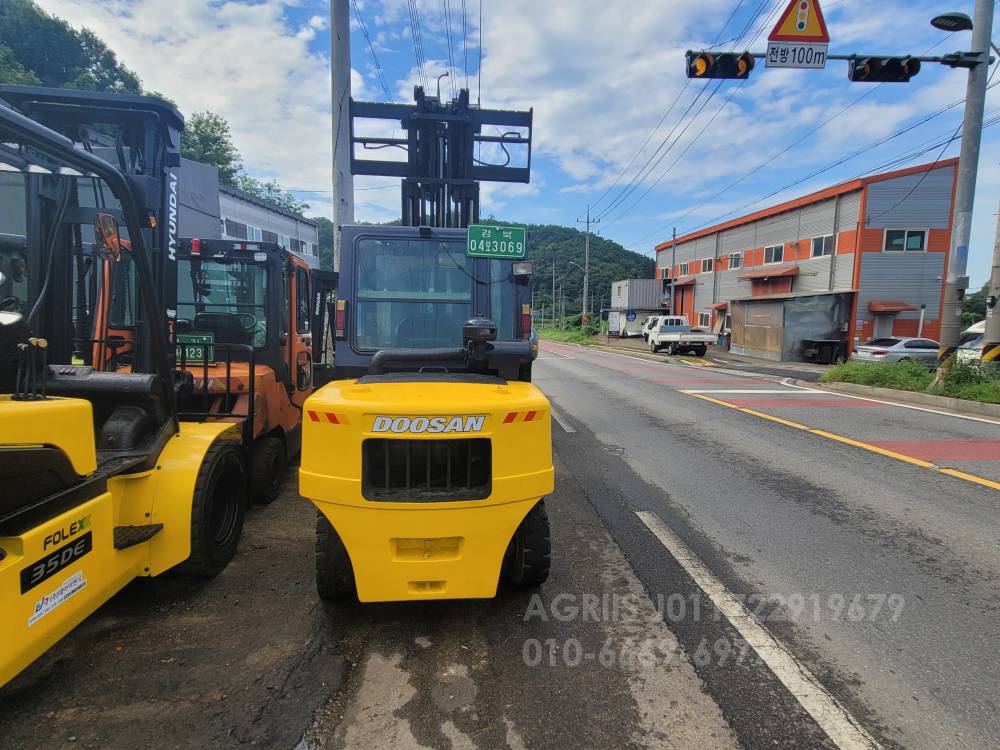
(952, 22)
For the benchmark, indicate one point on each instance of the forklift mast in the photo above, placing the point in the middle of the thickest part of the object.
(140, 135)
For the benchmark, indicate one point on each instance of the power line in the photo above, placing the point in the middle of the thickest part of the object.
(479, 68)
(465, 44)
(446, 17)
(371, 49)
(418, 42)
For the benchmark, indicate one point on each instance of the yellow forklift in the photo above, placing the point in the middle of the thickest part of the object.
(100, 481)
(429, 454)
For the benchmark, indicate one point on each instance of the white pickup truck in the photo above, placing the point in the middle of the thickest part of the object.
(677, 337)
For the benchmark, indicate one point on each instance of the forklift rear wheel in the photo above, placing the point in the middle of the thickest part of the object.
(218, 510)
(267, 464)
(529, 553)
(334, 574)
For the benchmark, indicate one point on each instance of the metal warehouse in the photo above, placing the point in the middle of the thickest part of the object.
(862, 259)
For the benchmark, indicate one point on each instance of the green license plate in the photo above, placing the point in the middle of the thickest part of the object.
(196, 347)
(495, 242)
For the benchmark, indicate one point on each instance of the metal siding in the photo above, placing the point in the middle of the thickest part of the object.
(731, 287)
(912, 277)
(850, 210)
(738, 239)
(843, 272)
(916, 201)
(817, 219)
(703, 294)
(644, 294)
(778, 229)
(198, 198)
(814, 274)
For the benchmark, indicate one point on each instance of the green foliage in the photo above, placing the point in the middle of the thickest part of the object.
(269, 191)
(966, 381)
(974, 306)
(325, 227)
(566, 336)
(48, 51)
(208, 139)
(609, 262)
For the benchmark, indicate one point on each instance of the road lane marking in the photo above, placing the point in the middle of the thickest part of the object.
(850, 441)
(558, 353)
(970, 478)
(695, 392)
(970, 417)
(567, 427)
(840, 726)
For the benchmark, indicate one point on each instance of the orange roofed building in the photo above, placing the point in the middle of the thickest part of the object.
(863, 259)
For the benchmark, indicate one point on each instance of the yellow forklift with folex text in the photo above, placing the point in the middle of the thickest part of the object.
(101, 482)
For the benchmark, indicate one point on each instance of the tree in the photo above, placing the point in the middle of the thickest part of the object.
(269, 191)
(325, 227)
(974, 306)
(208, 139)
(55, 54)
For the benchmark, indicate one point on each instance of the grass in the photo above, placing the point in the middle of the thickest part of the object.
(966, 381)
(565, 336)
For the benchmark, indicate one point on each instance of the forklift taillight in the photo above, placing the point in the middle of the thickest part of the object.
(196, 246)
(525, 321)
(340, 322)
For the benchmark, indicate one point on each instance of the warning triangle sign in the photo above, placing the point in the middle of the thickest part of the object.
(802, 21)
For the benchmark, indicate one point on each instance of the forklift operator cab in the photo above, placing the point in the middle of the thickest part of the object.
(429, 456)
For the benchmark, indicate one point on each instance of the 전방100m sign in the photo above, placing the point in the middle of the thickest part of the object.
(495, 242)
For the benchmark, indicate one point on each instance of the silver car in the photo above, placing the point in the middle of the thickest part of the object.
(898, 349)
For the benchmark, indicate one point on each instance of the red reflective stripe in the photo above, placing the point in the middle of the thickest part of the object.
(313, 416)
(510, 417)
(530, 416)
(332, 418)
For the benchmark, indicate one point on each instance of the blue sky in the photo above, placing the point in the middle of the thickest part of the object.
(600, 75)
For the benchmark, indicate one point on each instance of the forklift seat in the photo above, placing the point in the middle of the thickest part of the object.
(226, 327)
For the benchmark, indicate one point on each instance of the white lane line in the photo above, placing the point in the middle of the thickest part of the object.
(840, 726)
(558, 354)
(567, 427)
(757, 390)
(970, 417)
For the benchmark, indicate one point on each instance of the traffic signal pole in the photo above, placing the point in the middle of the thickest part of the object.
(968, 166)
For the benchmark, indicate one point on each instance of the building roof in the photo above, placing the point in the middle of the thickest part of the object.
(831, 192)
(686, 281)
(793, 295)
(244, 195)
(889, 306)
(719, 306)
(770, 273)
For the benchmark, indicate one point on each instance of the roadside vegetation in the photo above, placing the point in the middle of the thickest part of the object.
(966, 381)
(567, 336)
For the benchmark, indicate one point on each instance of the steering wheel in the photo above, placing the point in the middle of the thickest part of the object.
(248, 321)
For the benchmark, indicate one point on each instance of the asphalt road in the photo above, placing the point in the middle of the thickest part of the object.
(803, 503)
(630, 644)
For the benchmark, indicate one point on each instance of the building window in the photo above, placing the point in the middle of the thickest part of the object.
(254, 234)
(707, 264)
(774, 254)
(684, 269)
(822, 246)
(236, 229)
(704, 320)
(735, 260)
(283, 241)
(905, 240)
(307, 248)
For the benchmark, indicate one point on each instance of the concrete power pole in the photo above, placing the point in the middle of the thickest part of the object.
(991, 341)
(673, 275)
(965, 194)
(554, 293)
(586, 261)
(343, 180)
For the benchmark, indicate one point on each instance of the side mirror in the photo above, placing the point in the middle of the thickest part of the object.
(106, 236)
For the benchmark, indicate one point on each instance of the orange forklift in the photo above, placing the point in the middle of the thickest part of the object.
(237, 313)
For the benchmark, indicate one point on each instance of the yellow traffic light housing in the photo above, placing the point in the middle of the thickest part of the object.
(723, 65)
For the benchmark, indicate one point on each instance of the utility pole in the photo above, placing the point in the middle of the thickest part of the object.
(343, 180)
(673, 275)
(586, 260)
(991, 339)
(968, 165)
(554, 293)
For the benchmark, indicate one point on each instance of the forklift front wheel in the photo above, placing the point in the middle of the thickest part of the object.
(267, 464)
(218, 510)
(334, 574)
(528, 555)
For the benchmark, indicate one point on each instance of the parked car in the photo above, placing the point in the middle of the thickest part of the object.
(675, 335)
(651, 322)
(898, 349)
(970, 345)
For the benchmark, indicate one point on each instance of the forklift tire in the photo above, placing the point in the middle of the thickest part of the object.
(334, 574)
(267, 465)
(529, 553)
(218, 510)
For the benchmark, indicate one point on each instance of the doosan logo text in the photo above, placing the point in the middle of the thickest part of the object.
(431, 425)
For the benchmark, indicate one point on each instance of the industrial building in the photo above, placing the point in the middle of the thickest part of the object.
(863, 259)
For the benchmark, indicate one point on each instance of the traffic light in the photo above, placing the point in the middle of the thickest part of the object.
(882, 69)
(719, 65)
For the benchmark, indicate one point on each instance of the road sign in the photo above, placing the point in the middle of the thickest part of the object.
(197, 347)
(614, 322)
(800, 39)
(484, 241)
